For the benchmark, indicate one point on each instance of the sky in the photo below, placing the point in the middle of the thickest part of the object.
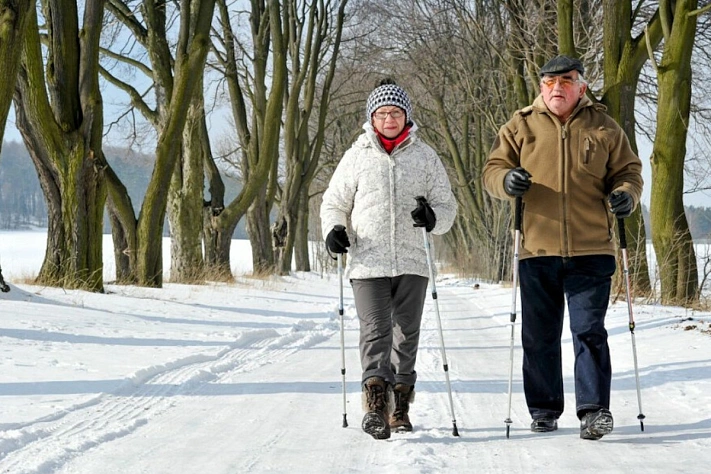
(246, 377)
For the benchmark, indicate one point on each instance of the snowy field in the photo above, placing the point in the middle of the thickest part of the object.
(245, 378)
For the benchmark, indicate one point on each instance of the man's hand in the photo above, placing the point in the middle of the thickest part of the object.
(517, 181)
(621, 204)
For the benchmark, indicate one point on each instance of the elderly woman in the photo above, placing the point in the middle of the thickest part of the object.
(387, 185)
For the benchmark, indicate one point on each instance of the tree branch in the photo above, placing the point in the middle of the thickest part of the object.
(135, 96)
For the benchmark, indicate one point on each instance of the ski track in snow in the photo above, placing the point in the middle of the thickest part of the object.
(265, 376)
(44, 445)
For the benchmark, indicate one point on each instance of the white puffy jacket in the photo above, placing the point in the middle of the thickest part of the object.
(372, 194)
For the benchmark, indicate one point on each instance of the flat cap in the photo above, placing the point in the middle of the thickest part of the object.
(562, 64)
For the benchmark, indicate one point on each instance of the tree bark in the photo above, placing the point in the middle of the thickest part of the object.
(676, 258)
(624, 57)
(14, 17)
(63, 136)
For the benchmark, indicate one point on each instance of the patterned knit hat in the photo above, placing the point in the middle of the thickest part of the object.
(388, 93)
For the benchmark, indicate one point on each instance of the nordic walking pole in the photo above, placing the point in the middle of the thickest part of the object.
(514, 284)
(455, 432)
(343, 349)
(626, 267)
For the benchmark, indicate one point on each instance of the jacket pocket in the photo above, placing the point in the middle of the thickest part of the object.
(610, 220)
(592, 155)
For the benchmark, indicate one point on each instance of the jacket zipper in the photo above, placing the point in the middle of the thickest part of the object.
(564, 147)
(586, 159)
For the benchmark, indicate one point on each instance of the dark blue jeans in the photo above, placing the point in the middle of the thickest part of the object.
(585, 282)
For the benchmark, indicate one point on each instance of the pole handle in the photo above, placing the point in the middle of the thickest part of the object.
(518, 212)
(622, 232)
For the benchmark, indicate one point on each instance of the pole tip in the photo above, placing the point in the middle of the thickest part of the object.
(345, 422)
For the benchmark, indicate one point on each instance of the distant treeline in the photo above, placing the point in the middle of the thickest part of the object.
(22, 203)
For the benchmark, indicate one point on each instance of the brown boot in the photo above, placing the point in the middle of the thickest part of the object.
(404, 395)
(377, 408)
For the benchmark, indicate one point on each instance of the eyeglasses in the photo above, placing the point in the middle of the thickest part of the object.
(396, 114)
(550, 81)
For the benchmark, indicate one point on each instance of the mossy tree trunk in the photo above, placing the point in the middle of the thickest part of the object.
(674, 249)
(624, 57)
(176, 73)
(60, 117)
(14, 17)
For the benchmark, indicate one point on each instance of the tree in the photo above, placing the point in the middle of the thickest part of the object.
(176, 76)
(256, 90)
(624, 57)
(60, 117)
(314, 39)
(14, 16)
(670, 230)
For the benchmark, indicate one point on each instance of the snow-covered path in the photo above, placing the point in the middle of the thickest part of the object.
(246, 378)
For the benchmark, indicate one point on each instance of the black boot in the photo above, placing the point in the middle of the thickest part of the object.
(596, 424)
(544, 425)
(375, 421)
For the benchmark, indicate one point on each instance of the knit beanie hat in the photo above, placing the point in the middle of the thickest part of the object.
(388, 93)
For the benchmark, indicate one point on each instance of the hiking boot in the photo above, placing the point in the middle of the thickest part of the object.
(596, 424)
(544, 424)
(404, 395)
(377, 408)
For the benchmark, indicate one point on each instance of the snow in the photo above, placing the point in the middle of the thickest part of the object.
(246, 377)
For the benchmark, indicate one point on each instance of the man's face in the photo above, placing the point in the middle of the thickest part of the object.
(561, 93)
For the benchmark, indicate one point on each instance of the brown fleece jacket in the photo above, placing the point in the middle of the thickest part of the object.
(574, 166)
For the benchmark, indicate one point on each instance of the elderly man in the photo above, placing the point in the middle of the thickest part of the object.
(573, 167)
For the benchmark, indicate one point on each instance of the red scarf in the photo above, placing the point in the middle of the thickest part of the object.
(390, 143)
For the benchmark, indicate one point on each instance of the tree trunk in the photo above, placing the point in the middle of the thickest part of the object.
(676, 259)
(301, 244)
(185, 201)
(123, 228)
(63, 136)
(189, 64)
(623, 61)
(14, 18)
(260, 236)
(258, 133)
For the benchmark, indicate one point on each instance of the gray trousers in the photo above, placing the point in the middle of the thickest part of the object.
(390, 313)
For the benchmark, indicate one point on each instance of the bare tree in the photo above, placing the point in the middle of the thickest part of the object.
(670, 230)
(14, 16)
(256, 90)
(60, 117)
(314, 39)
(176, 78)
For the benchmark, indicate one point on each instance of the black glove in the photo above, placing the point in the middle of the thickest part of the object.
(621, 204)
(423, 215)
(517, 181)
(337, 240)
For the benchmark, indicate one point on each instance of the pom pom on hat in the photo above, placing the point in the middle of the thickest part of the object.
(388, 93)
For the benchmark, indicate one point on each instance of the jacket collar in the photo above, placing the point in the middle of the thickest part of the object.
(373, 140)
(540, 106)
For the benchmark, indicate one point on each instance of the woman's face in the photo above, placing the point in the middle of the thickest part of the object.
(389, 120)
